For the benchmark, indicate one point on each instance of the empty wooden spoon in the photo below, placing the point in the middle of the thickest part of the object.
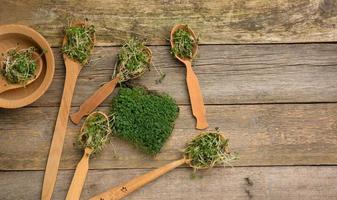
(73, 68)
(103, 92)
(5, 85)
(196, 99)
(94, 134)
(191, 157)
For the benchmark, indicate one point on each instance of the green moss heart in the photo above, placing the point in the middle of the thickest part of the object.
(144, 118)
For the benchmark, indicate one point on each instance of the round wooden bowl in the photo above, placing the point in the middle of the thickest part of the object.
(19, 36)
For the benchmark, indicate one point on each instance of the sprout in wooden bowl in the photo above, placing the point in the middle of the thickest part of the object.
(19, 66)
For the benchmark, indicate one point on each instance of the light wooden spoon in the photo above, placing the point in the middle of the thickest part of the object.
(73, 69)
(197, 102)
(125, 189)
(5, 86)
(100, 95)
(81, 171)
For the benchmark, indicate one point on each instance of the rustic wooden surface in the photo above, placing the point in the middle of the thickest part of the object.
(217, 22)
(276, 102)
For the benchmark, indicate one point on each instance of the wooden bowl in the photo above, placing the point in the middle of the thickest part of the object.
(19, 36)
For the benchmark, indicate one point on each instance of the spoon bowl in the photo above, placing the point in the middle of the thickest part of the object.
(148, 51)
(65, 39)
(5, 86)
(91, 115)
(195, 45)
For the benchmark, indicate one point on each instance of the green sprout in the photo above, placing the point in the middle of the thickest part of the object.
(95, 132)
(134, 59)
(144, 118)
(80, 41)
(183, 43)
(19, 66)
(208, 149)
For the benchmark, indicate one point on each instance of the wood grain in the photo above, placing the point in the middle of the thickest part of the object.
(228, 74)
(277, 134)
(217, 22)
(276, 102)
(265, 183)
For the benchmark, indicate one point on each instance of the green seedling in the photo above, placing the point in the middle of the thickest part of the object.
(144, 118)
(183, 44)
(19, 66)
(80, 41)
(133, 60)
(95, 132)
(207, 150)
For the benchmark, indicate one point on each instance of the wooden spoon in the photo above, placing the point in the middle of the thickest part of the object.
(73, 69)
(125, 189)
(5, 86)
(99, 96)
(81, 171)
(197, 102)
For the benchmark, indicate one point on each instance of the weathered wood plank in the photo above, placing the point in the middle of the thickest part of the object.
(281, 183)
(228, 74)
(277, 134)
(217, 22)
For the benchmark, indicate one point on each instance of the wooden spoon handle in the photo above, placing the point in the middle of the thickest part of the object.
(136, 183)
(81, 171)
(197, 102)
(94, 100)
(59, 133)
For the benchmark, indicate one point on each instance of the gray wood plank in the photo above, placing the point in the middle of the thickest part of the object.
(228, 74)
(217, 22)
(263, 135)
(272, 183)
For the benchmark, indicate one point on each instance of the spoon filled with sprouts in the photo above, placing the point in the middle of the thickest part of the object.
(184, 47)
(204, 151)
(19, 68)
(133, 60)
(78, 43)
(94, 135)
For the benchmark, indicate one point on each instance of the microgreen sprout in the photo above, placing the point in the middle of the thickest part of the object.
(19, 66)
(208, 149)
(95, 132)
(144, 118)
(134, 59)
(80, 41)
(183, 43)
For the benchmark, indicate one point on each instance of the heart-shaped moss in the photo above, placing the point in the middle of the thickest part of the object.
(144, 118)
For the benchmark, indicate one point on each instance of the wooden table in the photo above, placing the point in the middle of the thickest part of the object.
(268, 72)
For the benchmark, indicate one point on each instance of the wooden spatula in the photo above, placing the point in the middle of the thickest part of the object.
(81, 171)
(73, 69)
(197, 101)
